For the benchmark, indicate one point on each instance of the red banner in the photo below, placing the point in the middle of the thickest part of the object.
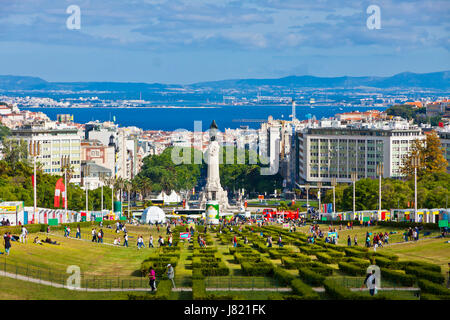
(59, 188)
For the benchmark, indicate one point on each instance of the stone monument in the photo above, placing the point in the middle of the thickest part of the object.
(213, 192)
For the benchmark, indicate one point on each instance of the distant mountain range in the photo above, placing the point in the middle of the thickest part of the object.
(434, 80)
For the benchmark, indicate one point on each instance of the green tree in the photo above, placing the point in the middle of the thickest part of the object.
(430, 154)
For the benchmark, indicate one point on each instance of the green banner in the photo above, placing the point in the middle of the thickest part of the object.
(324, 218)
(99, 219)
(123, 218)
(52, 222)
(443, 223)
(366, 219)
(83, 218)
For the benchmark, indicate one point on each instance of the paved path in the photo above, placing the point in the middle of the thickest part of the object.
(58, 285)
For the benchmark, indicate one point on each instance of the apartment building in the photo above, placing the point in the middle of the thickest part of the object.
(54, 144)
(335, 151)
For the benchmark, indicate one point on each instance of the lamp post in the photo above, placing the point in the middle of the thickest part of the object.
(380, 174)
(86, 186)
(307, 196)
(415, 163)
(34, 151)
(333, 184)
(65, 163)
(354, 178)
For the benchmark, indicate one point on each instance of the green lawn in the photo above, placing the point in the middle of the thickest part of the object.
(121, 265)
(13, 289)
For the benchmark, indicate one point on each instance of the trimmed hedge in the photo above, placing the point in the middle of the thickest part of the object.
(351, 252)
(164, 290)
(362, 263)
(385, 255)
(398, 276)
(386, 263)
(321, 268)
(282, 275)
(426, 274)
(336, 291)
(199, 290)
(220, 269)
(311, 277)
(433, 288)
(325, 258)
(305, 291)
(352, 269)
(421, 264)
(261, 267)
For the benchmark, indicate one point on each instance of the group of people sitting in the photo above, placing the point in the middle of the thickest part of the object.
(47, 240)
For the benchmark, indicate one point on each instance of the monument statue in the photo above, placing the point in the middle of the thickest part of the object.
(213, 191)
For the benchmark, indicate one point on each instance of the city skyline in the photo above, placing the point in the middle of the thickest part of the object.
(185, 42)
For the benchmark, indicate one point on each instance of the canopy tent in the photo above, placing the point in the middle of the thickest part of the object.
(173, 197)
(152, 215)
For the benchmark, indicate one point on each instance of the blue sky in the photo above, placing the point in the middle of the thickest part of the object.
(185, 41)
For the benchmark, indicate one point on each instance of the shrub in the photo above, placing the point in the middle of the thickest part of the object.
(311, 277)
(335, 254)
(302, 289)
(282, 275)
(321, 268)
(433, 288)
(421, 264)
(351, 252)
(257, 268)
(352, 269)
(385, 255)
(197, 274)
(385, 263)
(300, 257)
(277, 253)
(325, 258)
(336, 291)
(398, 277)
(362, 263)
(426, 274)
(220, 269)
(164, 290)
(199, 290)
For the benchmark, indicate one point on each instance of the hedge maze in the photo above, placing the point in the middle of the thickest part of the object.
(309, 271)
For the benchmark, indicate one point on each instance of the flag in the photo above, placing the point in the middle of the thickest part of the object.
(58, 189)
(32, 180)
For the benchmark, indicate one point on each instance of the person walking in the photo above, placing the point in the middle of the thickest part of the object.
(125, 240)
(349, 241)
(140, 242)
(100, 236)
(150, 242)
(235, 241)
(370, 283)
(152, 278)
(78, 234)
(94, 235)
(169, 240)
(171, 274)
(23, 235)
(280, 242)
(7, 240)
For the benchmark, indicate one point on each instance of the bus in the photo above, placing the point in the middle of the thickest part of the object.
(157, 202)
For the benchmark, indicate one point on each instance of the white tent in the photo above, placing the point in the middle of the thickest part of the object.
(152, 215)
(173, 197)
